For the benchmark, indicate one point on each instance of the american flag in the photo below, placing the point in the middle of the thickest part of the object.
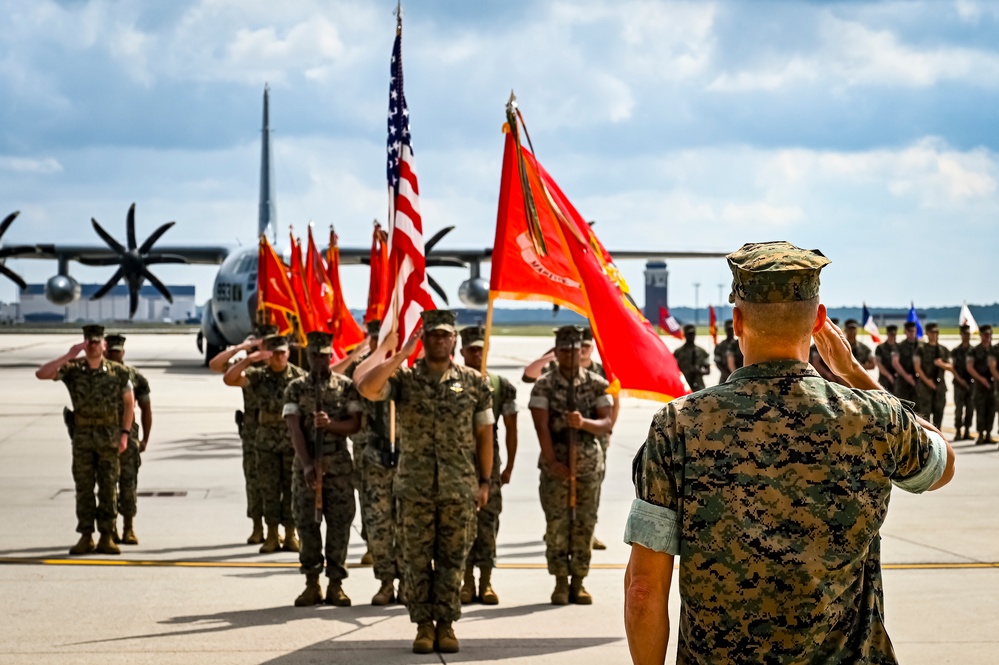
(407, 259)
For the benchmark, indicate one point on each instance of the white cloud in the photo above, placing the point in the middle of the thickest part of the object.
(42, 166)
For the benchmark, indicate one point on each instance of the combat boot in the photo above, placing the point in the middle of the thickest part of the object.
(313, 594)
(335, 595)
(257, 537)
(291, 543)
(83, 546)
(367, 559)
(385, 595)
(106, 545)
(114, 534)
(271, 543)
(446, 641)
(967, 434)
(598, 544)
(467, 594)
(486, 593)
(578, 593)
(424, 642)
(128, 536)
(560, 596)
(401, 596)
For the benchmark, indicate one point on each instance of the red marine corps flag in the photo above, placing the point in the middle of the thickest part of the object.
(407, 258)
(713, 325)
(378, 292)
(346, 333)
(275, 302)
(669, 324)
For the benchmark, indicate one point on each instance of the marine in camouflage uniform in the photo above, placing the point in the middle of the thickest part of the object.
(983, 393)
(860, 351)
(275, 454)
(444, 414)
(569, 532)
(905, 369)
(692, 359)
(101, 393)
(131, 459)
(882, 358)
(932, 361)
(721, 351)
(321, 410)
(772, 489)
(964, 408)
(483, 552)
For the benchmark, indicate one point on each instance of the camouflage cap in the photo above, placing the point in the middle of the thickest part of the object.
(374, 327)
(985, 328)
(690, 327)
(965, 328)
(276, 343)
(851, 323)
(264, 329)
(438, 319)
(568, 337)
(932, 326)
(93, 332)
(473, 336)
(587, 335)
(910, 325)
(116, 342)
(319, 342)
(891, 329)
(770, 272)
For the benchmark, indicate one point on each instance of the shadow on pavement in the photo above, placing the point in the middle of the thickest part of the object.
(471, 613)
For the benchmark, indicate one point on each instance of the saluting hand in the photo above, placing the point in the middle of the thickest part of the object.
(320, 420)
(835, 350)
(260, 355)
(77, 349)
(413, 341)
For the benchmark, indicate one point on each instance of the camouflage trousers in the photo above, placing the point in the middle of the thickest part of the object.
(964, 407)
(274, 475)
(483, 552)
(338, 513)
(95, 462)
(379, 515)
(435, 538)
(254, 495)
(569, 543)
(930, 403)
(128, 479)
(985, 407)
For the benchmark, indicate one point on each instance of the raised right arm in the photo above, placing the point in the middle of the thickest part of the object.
(50, 370)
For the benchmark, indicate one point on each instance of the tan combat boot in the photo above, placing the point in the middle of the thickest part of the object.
(486, 593)
(335, 595)
(385, 595)
(114, 534)
(291, 543)
(313, 594)
(578, 594)
(424, 642)
(368, 559)
(128, 536)
(83, 546)
(598, 544)
(560, 596)
(106, 545)
(467, 594)
(257, 537)
(271, 543)
(446, 641)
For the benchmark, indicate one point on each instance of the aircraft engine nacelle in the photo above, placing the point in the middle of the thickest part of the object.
(62, 290)
(474, 292)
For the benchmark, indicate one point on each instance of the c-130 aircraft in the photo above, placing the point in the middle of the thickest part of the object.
(230, 313)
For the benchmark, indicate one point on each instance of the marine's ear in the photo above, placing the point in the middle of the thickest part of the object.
(737, 320)
(820, 319)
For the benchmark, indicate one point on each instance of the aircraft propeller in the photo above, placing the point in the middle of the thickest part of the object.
(13, 250)
(133, 261)
(437, 262)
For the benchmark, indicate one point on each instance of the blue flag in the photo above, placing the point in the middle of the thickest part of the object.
(915, 317)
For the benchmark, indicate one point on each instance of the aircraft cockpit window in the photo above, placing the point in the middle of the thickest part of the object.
(246, 264)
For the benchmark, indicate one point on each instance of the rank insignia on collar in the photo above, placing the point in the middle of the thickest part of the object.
(456, 387)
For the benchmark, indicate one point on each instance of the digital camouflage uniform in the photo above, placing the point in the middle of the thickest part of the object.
(436, 481)
(97, 403)
(860, 351)
(691, 359)
(338, 399)
(983, 395)
(569, 553)
(902, 388)
(721, 358)
(130, 460)
(964, 406)
(483, 552)
(247, 423)
(883, 352)
(275, 453)
(930, 403)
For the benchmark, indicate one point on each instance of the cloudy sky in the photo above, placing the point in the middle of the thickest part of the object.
(867, 130)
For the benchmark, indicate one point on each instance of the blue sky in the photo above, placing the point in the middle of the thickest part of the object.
(867, 130)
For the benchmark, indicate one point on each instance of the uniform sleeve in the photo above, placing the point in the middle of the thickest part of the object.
(352, 399)
(508, 398)
(702, 357)
(66, 372)
(539, 396)
(603, 398)
(944, 354)
(291, 395)
(484, 404)
(653, 521)
(141, 388)
(920, 455)
(125, 378)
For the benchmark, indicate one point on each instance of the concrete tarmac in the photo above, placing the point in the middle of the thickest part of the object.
(193, 592)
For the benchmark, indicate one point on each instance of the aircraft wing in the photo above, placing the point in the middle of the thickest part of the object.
(103, 255)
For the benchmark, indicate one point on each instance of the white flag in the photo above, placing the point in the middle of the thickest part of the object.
(966, 319)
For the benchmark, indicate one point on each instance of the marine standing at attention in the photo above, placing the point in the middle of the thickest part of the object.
(103, 404)
(275, 454)
(860, 350)
(483, 552)
(322, 409)
(130, 460)
(445, 417)
(977, 364)
(931, 361)
(964, 407)
(772, 489)
(692, 359)
(570, 403)
(902, 363)
(882, 358)
(721, 351)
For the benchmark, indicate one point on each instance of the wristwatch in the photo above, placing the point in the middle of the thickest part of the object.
(483, 481)
(125, 431)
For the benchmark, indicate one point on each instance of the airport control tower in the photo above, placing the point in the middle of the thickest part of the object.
(656, 288)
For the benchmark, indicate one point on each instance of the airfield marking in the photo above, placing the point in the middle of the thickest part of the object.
(152, 563)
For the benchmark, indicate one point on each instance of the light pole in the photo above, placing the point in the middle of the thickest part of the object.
(720, 294)
(697, 311)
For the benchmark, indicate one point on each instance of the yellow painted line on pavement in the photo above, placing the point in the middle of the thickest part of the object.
(165, 563)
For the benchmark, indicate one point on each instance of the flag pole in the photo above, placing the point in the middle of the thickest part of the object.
(489, 332)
